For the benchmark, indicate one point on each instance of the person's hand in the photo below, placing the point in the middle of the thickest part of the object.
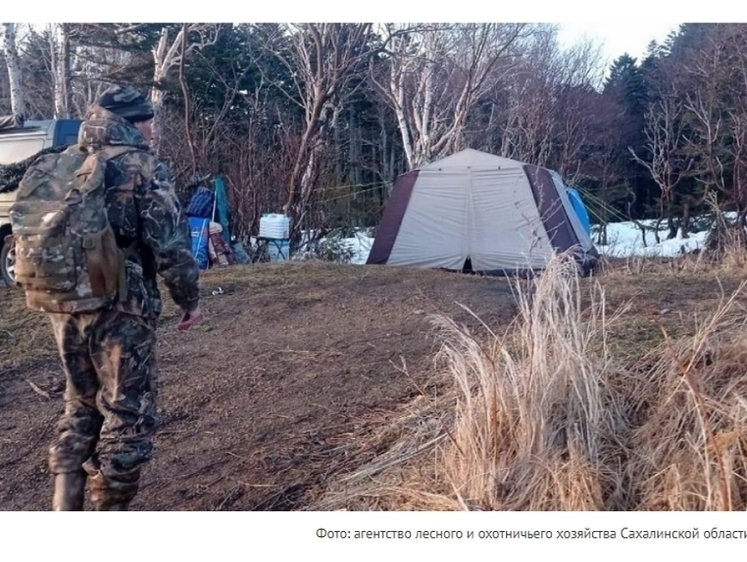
(189, 319)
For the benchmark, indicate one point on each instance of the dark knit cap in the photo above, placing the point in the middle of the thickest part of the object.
(127, 103)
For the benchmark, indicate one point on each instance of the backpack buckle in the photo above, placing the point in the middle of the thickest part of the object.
(89, 243)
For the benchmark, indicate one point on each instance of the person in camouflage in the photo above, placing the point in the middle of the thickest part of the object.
(109, 356)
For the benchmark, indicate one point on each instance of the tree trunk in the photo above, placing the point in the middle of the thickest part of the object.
(399, 110)
(642, 228)
(303, 163)
(657, 226)
(671, 224)
(337, 144)
(685, 226)
(355, 149)
(741, 218)
(603, 234)
(156, 99)
(60, 49)
(163, 56)
(15, 76)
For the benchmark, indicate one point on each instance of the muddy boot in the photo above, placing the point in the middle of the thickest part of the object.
(109, 494)
(112, 507)
(69, 491)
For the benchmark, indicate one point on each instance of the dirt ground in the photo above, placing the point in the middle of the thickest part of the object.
(288, 383)
(295, 367)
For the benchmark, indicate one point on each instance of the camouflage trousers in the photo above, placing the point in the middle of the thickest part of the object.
(109, 360)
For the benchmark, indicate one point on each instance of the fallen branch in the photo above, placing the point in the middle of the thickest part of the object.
(38, 390)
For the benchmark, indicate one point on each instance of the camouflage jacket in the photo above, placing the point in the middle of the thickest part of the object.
(146, 216)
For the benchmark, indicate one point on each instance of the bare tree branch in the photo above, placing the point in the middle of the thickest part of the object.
(13, 62)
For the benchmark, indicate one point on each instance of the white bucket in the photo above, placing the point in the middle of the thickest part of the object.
(273, 225)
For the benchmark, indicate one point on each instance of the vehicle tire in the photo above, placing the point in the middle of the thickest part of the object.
(7, 264)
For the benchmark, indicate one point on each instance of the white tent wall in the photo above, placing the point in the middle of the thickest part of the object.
(506, 231)
(433, 230)
(491, 217)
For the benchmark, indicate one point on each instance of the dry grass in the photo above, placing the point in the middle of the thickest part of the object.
(546, 417)
(691, 452)
(24, 334)
(531, 423)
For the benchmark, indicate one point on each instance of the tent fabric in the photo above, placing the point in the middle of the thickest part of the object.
(392, 219)
(580, 208)
(221, 208)
(199, 231)
(500, 214)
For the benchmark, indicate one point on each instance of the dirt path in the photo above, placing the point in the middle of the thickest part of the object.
(295, 368)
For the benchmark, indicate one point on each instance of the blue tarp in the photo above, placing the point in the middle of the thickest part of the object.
(580, 208)
(198, 229)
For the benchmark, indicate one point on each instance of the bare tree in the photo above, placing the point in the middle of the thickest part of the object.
(321, 61)
(666, 161)
(717, 107)
(255, 162)
(59, 47)
(530, 124)
(737, 114)
(199, 132)
(549, 103)
(573, 115)
(13, 62)
(168, 54)
(86, 59)
(576, 99)
(436, 74)
(601, 163)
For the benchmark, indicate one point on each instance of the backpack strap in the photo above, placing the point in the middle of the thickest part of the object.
(108, 153)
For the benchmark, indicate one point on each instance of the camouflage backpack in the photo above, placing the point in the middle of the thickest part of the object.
(67, 258)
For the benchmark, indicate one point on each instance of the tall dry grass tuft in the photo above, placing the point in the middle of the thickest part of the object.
(548, 416)
(691, 451)
(533, 419)
(726, 248)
